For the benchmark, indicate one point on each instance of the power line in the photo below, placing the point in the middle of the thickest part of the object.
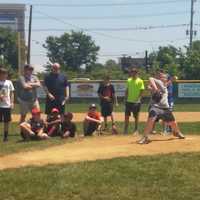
(116, 17)
(137, 28)
(95, 32)
(111, 4)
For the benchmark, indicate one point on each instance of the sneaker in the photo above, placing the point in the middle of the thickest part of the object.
(179, 135)
(144, 140)
(153, 132)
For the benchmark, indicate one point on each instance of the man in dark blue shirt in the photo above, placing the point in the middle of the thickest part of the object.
(57, 90)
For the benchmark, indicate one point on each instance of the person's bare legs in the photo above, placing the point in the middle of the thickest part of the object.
(136, 117)
(175, 129)
(105, 123)
(22, 118)
(126, 124)
(42, 136)
(147, 130)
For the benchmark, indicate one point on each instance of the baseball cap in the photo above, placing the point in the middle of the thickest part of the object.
(28, 67)
(93, 106)
(55, 110)
(35, 111)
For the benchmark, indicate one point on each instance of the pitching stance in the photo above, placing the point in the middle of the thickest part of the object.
(159, 108)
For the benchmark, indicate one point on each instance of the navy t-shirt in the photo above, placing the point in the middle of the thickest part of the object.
(106, 91)
(56, 85)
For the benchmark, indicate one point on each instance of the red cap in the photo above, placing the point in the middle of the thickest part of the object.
(35, 111)
(55, 110)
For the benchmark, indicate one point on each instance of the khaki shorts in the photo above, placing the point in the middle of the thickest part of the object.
(26, 106)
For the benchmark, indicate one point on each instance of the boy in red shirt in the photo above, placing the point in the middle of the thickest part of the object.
(93, 121)
(53, 123)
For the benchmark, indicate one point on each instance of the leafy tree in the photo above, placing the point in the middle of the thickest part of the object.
(8, 48)
(72, 50)
(190, 62)
(167, 58)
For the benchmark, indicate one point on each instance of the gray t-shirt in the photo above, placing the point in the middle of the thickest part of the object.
(25, 94)
(164, 101)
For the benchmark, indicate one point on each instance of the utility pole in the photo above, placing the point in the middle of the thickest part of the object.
(146, 61)
(29, 36)
(19, 52)
(191, 23)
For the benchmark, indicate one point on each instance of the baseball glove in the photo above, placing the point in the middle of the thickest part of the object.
(156, 97)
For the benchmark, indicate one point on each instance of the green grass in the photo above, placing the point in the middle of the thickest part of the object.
(164, 177)
(181, 106)
(16, 145)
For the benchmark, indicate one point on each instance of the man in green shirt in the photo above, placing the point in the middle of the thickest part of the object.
(133, 95)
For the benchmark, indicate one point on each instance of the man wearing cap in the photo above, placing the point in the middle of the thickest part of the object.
(57, 90)
(133, 95)
(27, 92)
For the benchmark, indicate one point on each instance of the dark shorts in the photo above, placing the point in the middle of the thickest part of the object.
(91, 128)
(106, 109)
(5, 115)
(164, 114)
(132, 108)
(54, 104)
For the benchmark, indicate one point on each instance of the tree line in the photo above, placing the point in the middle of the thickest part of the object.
(78, 55)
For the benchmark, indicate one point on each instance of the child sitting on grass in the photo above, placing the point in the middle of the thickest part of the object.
(53, 123)
(34, 128)
(93, 121)
(68, 128)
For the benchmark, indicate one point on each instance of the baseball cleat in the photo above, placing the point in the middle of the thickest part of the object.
(179, 135)
(144, 140)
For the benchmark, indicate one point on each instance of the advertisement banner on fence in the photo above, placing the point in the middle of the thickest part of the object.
(84, 90)
(89, 90)
(189, 90)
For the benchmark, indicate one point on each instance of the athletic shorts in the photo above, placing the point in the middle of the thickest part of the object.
(132, 108)
(54, 104)
(159, 113)
(91, 128)
(27, 106)
(106, 109)
(5, 115)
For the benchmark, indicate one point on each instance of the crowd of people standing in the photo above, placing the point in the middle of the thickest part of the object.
(60, 123)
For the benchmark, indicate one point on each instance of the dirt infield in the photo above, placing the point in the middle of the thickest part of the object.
(104, 147)
(180, 117)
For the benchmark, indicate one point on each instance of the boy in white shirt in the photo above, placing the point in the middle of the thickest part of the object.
(6, 101)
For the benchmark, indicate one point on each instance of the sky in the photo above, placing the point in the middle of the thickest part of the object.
(130, 14)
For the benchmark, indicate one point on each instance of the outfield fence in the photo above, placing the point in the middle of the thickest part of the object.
(84, 90)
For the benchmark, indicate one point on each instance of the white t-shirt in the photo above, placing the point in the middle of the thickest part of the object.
(6, 87)
(164, 101)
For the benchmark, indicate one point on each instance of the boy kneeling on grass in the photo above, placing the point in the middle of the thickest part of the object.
(53, 123)
(93, 121)
(33, 129)
(68, 128)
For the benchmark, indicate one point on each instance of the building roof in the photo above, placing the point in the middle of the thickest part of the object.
(5, 6)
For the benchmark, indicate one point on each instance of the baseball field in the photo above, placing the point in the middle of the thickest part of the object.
(104, 167)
